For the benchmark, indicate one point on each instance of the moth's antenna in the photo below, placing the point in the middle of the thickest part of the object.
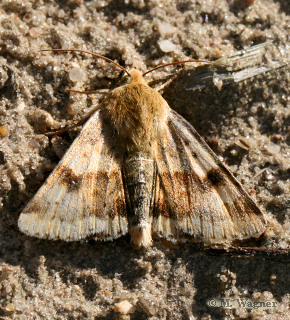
(94, 54)
(182, 62)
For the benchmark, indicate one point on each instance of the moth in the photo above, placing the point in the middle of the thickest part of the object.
(139, 167)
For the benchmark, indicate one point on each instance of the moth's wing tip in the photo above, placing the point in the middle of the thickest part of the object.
(180, 236)
(249, 231)
(30, 224)
(252, 230)
(254, 226)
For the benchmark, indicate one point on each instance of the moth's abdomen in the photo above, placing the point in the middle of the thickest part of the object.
(139, 180)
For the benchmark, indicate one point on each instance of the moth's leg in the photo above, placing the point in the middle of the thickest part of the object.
(78, 124)
(85, 118)
(102, 91)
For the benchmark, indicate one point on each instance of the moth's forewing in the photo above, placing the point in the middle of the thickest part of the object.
(84, 195)
(197, 197)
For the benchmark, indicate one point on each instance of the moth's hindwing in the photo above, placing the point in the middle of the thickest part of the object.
(196, 196)
(84, 195)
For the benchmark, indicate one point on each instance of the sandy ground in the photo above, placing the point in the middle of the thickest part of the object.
(41, 279)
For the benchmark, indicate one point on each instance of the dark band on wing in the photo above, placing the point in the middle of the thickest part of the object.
(216, 177)
(198, 196)
(70, 180)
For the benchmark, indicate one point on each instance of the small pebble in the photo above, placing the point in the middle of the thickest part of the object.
(21, 106)
(272, 148)
(124, 307)
(61, 13)
(166, 45)
(4, 130)
(165, 29)
(35, 32)
(10, 307)
(76, 74)
(273, 277)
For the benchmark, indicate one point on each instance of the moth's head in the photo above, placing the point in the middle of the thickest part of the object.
(136, 77)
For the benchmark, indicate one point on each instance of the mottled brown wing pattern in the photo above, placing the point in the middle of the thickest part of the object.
(84, 195)
(196, 196)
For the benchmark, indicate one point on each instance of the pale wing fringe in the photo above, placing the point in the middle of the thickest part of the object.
(84, 195)
(197, 197)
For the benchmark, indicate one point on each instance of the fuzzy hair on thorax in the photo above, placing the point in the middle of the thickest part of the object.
(138, 114)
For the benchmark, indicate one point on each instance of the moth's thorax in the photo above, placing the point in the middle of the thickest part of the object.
(137, 112)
